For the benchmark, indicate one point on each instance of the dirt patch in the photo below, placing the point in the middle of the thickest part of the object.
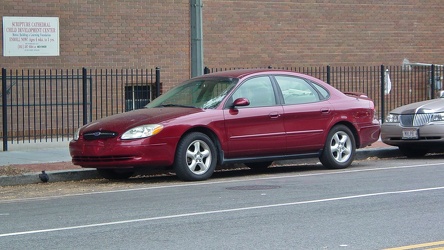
(12, 171)
(20, 169)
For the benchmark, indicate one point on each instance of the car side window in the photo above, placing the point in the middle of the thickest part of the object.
(296, 90)
(323, 92)
(258, 91)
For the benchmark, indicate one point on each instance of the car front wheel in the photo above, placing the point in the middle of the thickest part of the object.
(339, 149)
(195, 157)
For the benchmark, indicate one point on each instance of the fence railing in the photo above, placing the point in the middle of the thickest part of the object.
(49, 105)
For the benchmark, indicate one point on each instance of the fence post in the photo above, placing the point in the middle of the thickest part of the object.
(432, 81)
(328, 74)
(85, 96)
(382, 93)
(157, 81)
(4, 111)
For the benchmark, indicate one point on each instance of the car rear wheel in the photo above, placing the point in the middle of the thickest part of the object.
(413, 151)
(339, 149)
(115, 174)
(195, 157)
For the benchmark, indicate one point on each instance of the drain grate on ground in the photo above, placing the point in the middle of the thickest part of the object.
(254, 187)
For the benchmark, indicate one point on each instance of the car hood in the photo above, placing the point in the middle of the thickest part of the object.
(429, 106)
(124, 121)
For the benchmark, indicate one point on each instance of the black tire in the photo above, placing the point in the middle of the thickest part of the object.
(196, 157)
(115, 174)
(413, 152)
(339, 149)
(258, 166)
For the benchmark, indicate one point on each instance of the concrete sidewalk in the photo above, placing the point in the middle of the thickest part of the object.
(55, 159)
(35, 153)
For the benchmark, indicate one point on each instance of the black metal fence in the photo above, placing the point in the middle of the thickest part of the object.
(49, 105)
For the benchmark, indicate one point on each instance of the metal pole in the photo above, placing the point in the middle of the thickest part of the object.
(328, 74)
(85, 96)
(157, 82)
(90, 98)
(196, 38)
(382, 94)
(432, 81)
(4, 111)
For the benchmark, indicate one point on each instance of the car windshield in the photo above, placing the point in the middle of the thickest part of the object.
(197, 93)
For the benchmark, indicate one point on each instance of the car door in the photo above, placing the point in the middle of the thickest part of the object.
(256, 129)
(306, 116)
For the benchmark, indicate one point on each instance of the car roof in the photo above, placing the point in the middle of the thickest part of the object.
(240, 73)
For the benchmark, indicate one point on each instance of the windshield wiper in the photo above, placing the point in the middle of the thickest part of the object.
(176, 105)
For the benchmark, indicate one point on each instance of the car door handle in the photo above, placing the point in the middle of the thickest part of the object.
(325, 110)
(274, 115)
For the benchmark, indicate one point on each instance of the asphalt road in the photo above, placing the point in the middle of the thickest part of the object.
(375, 204)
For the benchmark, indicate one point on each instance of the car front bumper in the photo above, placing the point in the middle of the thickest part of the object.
(429, 135)
(121, 154)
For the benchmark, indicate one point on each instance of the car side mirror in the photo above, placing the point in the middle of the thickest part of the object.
(441, 94)
(240, 102)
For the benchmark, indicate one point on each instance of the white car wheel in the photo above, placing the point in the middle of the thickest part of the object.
(340, 147)
(195, 157)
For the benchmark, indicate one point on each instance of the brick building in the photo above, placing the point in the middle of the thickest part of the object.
(237, 33)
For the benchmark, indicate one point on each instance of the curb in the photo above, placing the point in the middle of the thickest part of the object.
(90, 173)
(387, 152)
(54, 176)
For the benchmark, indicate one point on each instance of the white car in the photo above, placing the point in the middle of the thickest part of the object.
(416, 128)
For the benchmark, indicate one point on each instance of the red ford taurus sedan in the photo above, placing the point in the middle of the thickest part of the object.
(241, 116)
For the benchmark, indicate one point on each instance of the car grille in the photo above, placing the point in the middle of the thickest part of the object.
(414, 120)
(99, 135)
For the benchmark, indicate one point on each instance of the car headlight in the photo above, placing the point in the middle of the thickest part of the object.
(142, 131)
(438, 117)
(392, 118)
(77, 134)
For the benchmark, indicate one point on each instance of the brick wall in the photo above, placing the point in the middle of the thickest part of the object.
(258, 33)
(140, 34)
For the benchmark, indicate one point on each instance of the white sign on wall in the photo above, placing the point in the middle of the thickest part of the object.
(30, 36)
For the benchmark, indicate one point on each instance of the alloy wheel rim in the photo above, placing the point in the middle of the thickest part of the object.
(198, 157)
(341, 147)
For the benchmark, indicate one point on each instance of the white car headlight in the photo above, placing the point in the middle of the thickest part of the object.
(142, 131)
(438, 117)
(392, 118)
(77, 134)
